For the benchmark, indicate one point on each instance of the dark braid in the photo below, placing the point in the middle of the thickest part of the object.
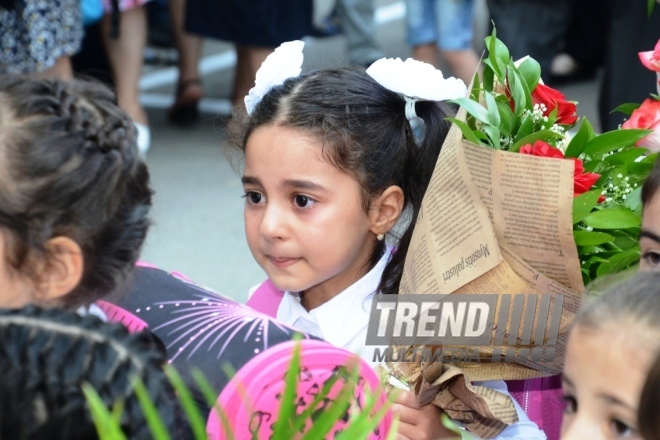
(45, 357)
(71, 169)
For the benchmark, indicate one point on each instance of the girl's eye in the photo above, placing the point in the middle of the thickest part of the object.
(303, 201)
(255, 198)
(570, 405)
(652, 258)
(622, 429)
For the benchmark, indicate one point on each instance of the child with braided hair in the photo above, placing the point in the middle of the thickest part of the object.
(74, 194)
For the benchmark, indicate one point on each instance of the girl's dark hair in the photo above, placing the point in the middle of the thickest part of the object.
(46, 356)
(651, 184)
(365, 133)
(69, 166)
(648, 414)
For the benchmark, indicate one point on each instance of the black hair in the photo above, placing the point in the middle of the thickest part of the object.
(46, 356)
(651, 184)
(69, 166)
(648, 414)
(365, 133)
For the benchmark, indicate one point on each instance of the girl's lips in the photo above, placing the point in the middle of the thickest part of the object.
(282, 263)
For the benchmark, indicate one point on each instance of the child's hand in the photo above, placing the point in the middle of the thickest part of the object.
(418, 422)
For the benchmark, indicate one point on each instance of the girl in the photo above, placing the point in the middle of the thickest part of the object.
(610, 351)
(74, 195)
(650, 237)
(331, 163)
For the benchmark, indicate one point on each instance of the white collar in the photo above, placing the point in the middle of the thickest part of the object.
(341, 318)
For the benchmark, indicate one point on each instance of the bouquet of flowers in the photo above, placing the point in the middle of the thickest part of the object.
(513, 111)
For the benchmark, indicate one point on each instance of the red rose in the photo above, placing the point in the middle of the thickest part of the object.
(647, 116)
(582, 182)
(566, 110)
(542, 149)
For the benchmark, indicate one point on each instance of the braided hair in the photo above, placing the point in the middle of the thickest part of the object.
(69, 166)
(47, 354)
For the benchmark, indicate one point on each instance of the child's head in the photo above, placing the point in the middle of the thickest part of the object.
(47, 355)
(74, 195)
(650, 237)
(610, 350)
(330, 164)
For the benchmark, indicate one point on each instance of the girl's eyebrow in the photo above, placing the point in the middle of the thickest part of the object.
(616, 401)
(249, 180)
(651, 235)
(304, 184)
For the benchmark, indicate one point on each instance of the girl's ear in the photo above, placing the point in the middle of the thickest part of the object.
(386, 210)
(62, 270)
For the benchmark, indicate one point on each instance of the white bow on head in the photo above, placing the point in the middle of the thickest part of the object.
(284, 63)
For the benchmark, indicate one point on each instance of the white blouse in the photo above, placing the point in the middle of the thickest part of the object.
(343, 321)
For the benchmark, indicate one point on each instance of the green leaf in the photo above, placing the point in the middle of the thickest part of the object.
(542, 135)
(625, 156)
(649, 7)
(590, 238)
(642, 168)
(282, 427)
(498, 49)
(506, 118)
(627, 108)
(530, 70)
(473, 108)
(584, 204)
(488, 79)
(612, 218)
(107, 425)
(154, 420)
(614, 140)
(580, 140)
(619, 262)
(634, 200)
(493, 135)
(493, 113)
(466, 130)
(526, 128)
(517, 91)
(197, 422)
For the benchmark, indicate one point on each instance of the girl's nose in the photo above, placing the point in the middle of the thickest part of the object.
(273, 223)
(580, 428)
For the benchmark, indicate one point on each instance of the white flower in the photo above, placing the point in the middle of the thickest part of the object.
(416, 79)
(284, 63)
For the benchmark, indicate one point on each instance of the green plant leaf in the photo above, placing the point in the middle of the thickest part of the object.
(634, 200)
(619, 262)
(543, 135)
(642, 168)
(584, 204)
(493, 113)
(197, 422)
(155, 422)
(466, 130)
(614, 140)
(612, 218)
(526, 127)
(517, 90)
(286, 414)
(107, 424)
(493, 135)
(530, 70)
(580, 140)
(497, 51)
(210, 397)
(473, 108)
(506, 118)
(649, 7)
(591, 238)
(624, 157)
(488, 78)
(627, 108)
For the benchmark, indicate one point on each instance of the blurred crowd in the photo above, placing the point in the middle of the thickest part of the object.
(112, 40)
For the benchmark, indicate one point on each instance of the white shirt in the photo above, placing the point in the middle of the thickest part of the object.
(343, 321)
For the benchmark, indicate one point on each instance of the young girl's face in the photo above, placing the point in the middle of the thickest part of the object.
(603, 377)
(650, 237)
(304, 218)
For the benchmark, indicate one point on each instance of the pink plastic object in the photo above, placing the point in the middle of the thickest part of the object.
(122, 316)
(542, 400)
(251, 400)
(266, 299)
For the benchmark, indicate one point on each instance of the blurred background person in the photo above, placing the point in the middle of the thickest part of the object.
(443, 27)
(39, 37)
